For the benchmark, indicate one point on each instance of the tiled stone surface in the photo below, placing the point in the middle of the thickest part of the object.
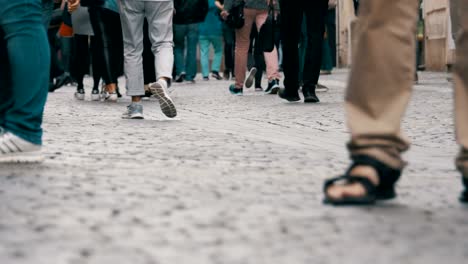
(232, 180)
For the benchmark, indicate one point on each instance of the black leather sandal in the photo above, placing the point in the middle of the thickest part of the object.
(464, 194)
(384, 191)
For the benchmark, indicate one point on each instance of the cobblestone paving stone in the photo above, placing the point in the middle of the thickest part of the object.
(232, 180)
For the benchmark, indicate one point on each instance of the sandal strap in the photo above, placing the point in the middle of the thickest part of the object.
(387, 176)
(370, 187)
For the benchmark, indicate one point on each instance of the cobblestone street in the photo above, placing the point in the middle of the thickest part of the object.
(231, 180)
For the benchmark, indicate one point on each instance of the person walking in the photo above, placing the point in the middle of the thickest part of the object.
(105, 21)
(24, 79)
(159, 14)
(378, 92)
(292, 18)
(229, 37)
(211, 34)
(188, 15)
(255, 11)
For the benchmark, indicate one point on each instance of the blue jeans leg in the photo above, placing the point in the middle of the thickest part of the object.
(28, 62)
(218, 53)
(205, 55)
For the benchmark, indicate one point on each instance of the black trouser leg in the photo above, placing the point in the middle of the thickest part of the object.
(81, 59)
(149, 71)
(106, 27)
(290, 28)
(315, 12)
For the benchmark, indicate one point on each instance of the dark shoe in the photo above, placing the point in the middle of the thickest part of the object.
(206, 78)
(62, 80)
(51, 87)
(235, 91)
(464, 194)
(310, 96)
(258, 88)
(289, 97)
(227, 74)
(325, 72)
(117, 90)
(216, 75)
(273, 87)
(250, 77)
(383, 191)
(180, 78)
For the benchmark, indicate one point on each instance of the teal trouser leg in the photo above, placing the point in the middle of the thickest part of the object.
(28, 62)
(205, 55)
(327, 61)
(218, 52)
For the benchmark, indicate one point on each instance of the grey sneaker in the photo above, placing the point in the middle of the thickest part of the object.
(14, 149)
(134, 111)
(159, 90)
(250, 78)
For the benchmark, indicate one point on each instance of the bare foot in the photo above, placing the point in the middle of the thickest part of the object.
(340, 191)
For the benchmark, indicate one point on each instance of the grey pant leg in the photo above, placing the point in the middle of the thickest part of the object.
(132, 17)
(159, 16)
(454, 5)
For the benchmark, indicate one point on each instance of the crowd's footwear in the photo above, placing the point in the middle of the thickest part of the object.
(321, 88)
(310, 96)
(258, 89)
(464, 194)
(14, 149)
(192, 81)
(180, 78)
(250, 77)
(111, 97)
(159, 90)
(283, 94)
(216, 75)
(235, 91)
(383, 191)
(95, 96)
(80, 93)
(117, 91)
(62, 80)
(273, 87)
(206, 78)
(325, 72)
(227, 75)
(134, 111)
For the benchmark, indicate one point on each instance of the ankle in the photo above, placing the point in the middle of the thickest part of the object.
(366, 171)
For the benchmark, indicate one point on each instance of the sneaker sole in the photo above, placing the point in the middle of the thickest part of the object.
(23, 157)
(79, 96)
(273, 90)
(250, 78)
(95, 97)
(139, 116)
(165, 102)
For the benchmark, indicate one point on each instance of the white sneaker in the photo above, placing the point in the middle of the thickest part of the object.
(159, 89)
(95, 96)
(17, 150)
(111, 97)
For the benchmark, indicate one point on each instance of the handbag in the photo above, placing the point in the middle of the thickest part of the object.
(266, 34)
(236, 19)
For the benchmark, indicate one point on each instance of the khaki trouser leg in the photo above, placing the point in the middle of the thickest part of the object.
(461, 86)
(381, 79)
